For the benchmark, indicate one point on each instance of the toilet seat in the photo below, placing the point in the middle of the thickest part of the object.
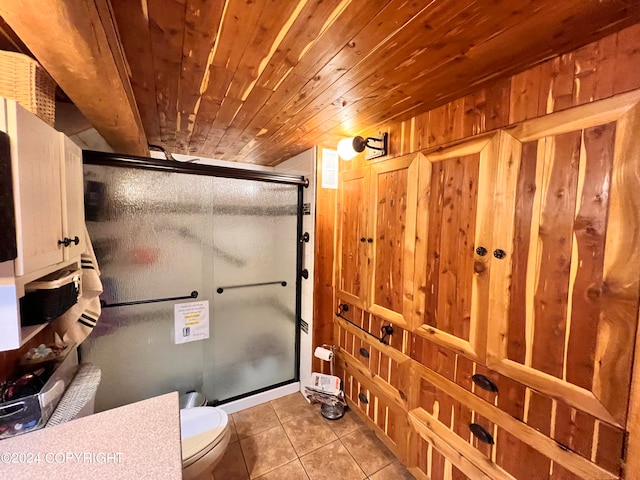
(201, 430)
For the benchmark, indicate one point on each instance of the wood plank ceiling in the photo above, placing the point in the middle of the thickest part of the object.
(261, 80)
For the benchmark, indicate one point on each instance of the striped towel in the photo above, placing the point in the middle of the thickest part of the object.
(78, 322)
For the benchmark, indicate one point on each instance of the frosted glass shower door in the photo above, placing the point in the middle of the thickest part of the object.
(254, 299)
(159, 235)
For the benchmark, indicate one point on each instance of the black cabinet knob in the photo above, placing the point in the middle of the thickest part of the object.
(363, 398)
(499, 253)
(481, 251)
(362, 239)
(66, 241)
(481, 433)
(364, 352)
(370, 240)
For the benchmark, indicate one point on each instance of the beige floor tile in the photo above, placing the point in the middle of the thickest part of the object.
(232, 466)
(331, 462)
(232, 427)
(370, 453)
(290, 471)
(309, 433)
(255, 420)
(395, 471)
(347, 424)
(292, 406)
(267, 451)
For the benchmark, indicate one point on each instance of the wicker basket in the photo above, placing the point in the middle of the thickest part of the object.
(22, 79)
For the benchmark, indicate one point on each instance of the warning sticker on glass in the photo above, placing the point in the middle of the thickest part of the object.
(191, 321)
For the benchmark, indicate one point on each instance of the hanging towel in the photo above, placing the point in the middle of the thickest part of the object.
(78, 322)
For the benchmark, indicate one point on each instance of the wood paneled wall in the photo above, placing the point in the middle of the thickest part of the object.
(593, 72)
(323, 266)
(596, 71)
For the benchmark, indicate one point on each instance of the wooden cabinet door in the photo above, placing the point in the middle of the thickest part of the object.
(35, 162)
(352, 260)
(73, 196)
(463, 194)
(392, 225)
(572, 311)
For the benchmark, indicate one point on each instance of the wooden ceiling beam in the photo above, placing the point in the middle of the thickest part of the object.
(9, 41)
(77, 43)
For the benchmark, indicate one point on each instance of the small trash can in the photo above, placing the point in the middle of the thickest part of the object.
(192, 399)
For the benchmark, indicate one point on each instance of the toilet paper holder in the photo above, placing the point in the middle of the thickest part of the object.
(333, 402)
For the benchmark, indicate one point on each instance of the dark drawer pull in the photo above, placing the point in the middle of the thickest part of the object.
(363, 398)
(481, 251)
(484, 383)
(364, 352)
(481, 433)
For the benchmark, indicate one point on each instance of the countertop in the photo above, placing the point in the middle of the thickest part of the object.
(136, 441)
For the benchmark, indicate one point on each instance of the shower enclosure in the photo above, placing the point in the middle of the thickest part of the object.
(162, 230)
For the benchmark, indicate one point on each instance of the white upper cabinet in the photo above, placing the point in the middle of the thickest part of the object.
(47, 185)
(72, 198)
(37, 189)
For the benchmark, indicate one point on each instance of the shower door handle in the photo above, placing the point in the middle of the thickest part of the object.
(230, 287)
(104, 304)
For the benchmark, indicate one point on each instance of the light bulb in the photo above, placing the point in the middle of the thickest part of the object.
(345, 149)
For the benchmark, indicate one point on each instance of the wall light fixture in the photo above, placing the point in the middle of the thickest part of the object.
(375, 146)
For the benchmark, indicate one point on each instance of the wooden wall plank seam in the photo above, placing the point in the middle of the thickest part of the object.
(86, 61)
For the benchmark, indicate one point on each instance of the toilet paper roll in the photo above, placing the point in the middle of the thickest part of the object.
(323, 354)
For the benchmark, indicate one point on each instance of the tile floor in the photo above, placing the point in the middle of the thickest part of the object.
(288, 439)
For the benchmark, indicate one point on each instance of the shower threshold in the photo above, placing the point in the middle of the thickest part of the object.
(259, 396)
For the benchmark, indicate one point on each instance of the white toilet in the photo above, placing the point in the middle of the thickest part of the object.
(205, 435)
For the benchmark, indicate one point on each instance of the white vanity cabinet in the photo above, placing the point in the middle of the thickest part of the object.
(46, 168)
